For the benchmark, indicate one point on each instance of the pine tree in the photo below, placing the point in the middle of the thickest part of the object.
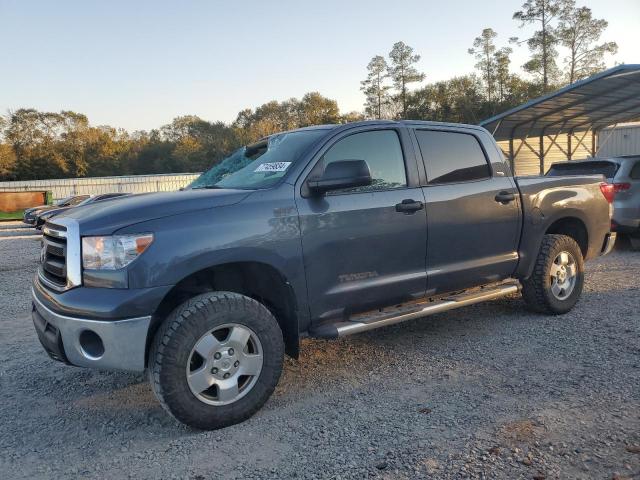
(484, 50)
(374, 88)
(403, 72)
(579, 32)
(502, 59)
(544, 41)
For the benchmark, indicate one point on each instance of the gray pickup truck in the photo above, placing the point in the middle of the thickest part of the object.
(324, 232)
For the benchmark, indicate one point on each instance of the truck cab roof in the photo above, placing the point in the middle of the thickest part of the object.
(410, 123)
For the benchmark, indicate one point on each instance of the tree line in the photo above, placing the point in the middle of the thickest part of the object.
(559, 25)
(36, 145)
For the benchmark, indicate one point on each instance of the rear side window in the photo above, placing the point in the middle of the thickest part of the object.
(452, 157)
(380, 149)
(608, 169)
(635, 172)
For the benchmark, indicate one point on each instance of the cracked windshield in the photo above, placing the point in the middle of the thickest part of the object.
(259, 165)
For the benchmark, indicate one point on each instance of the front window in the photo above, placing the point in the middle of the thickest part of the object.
(73, 201)
(62, 201)
(380, 149)
(261, 164)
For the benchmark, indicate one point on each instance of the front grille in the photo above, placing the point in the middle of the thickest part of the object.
(53, 270)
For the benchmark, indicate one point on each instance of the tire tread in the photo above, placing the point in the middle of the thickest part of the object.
(535, 292)
(184, 319)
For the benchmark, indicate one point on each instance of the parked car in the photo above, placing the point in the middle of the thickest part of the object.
(30, 214)
(623, 173)
(323, 231)
(41, 217)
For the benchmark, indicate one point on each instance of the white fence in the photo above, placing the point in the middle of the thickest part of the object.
(61, 188)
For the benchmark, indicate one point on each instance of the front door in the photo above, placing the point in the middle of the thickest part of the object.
(361, 248)
(472, 210)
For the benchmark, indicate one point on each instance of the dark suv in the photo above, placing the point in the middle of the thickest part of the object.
(45, 216)
(32, 214)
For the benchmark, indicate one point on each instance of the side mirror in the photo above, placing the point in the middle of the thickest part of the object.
(341, 174)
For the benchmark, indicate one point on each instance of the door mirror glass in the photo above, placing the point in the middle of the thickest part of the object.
(341, 174)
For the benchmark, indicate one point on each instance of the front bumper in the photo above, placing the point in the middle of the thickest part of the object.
(116, 344)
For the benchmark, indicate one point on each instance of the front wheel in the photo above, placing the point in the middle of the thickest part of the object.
(216, 360)
(556, 283)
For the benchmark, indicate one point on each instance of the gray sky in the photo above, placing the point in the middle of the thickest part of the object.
(138, 64)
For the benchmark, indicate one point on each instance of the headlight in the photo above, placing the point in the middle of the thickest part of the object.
(113, 252)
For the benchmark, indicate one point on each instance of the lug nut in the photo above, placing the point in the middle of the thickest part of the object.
(226, 375)
(236, 364)
(217, 355)
(231, 351)
(214, 370)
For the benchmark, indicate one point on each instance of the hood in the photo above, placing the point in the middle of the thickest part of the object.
(107, 217)
(42, 209)
(33, 209)
(50, 212)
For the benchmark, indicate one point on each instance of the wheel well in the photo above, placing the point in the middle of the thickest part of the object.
(574, 228)
(256, 280)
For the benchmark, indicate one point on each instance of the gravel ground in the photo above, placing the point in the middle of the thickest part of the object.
(490, 391)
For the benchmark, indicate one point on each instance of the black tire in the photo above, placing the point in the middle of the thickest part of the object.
(536, 290)
(173, 343)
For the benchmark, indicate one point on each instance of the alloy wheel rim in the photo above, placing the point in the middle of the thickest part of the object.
(224, 364)
(564, 273)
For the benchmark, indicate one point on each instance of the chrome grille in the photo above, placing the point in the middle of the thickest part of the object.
(53, 271)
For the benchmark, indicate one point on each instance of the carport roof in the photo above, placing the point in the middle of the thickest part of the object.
(609, 97)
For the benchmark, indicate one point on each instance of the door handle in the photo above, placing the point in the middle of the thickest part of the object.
(409, 206)
(505, 197)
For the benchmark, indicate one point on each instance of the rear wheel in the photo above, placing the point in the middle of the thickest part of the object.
(216, 360)
(558, 276)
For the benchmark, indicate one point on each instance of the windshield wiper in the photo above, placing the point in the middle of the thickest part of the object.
(208, 187)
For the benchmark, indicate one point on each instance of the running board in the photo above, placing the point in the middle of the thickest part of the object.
(382, 318)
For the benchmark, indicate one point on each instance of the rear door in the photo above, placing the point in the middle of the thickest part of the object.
(362, 247)
(473, 212)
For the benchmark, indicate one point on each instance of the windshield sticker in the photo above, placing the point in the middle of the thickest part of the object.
(273, 167)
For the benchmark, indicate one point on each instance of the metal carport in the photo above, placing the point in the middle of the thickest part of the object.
(570, 118)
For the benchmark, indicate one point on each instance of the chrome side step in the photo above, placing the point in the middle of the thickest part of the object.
(383, 318)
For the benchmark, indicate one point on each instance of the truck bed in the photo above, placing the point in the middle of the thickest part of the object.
(570, 199)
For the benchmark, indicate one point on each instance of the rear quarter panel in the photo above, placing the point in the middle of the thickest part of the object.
(546, 200)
